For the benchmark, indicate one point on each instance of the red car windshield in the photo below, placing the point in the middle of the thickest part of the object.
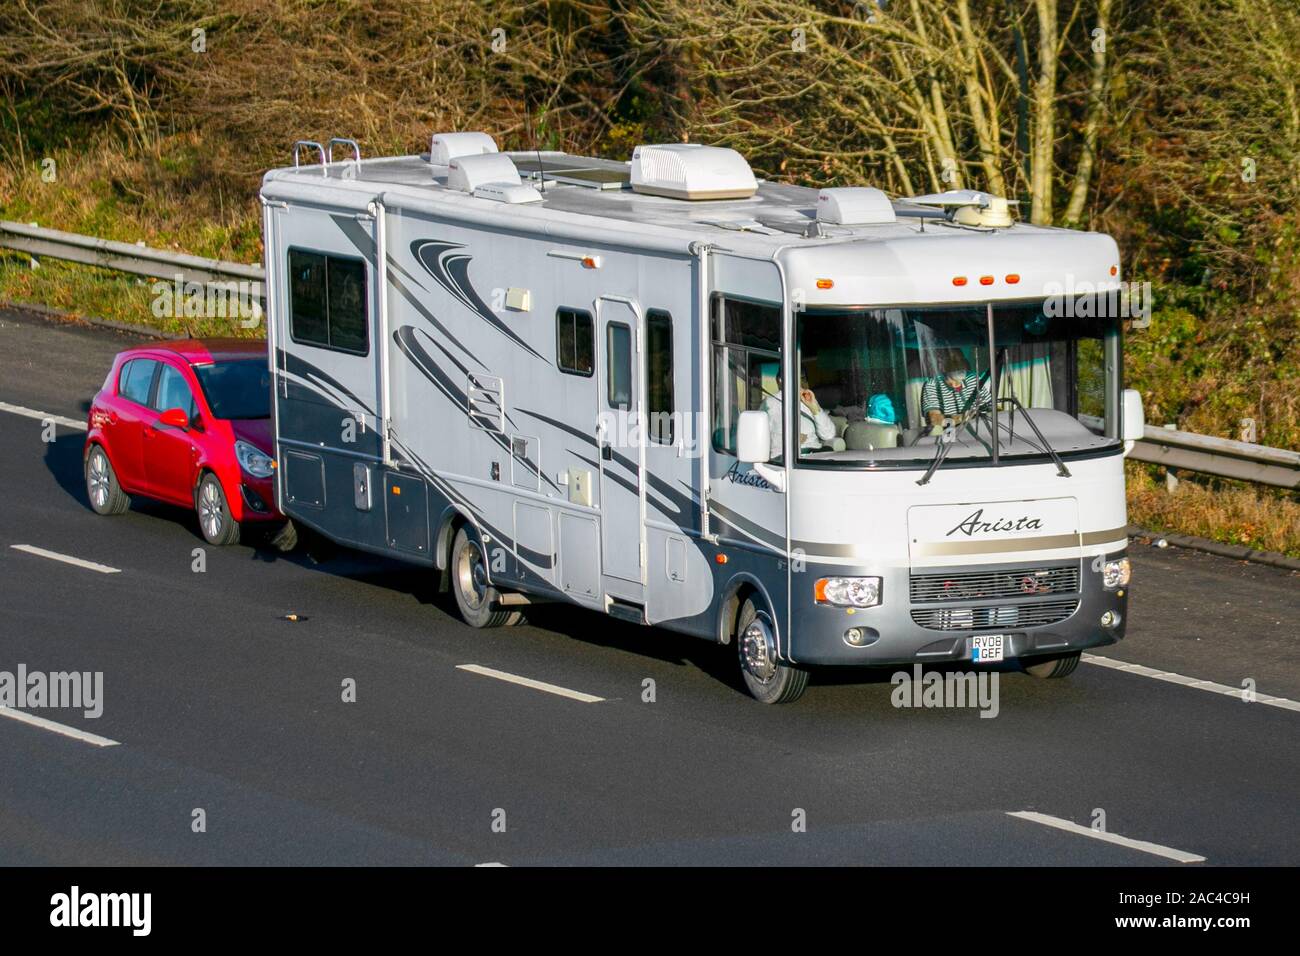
(237, 390)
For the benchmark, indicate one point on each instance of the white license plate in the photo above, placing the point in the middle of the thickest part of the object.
(985, 648)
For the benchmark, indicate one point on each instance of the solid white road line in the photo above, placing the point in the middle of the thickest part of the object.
(66, 559)
(23, 717)
(1155, 849)
(42, 416)
(1226, 690)
(529, 682)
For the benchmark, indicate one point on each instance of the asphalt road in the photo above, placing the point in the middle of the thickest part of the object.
(219, 704)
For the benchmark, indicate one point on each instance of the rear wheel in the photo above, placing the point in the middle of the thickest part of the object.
(476, 599)
(1054, 667)
(215, 520)
(105, 494)
(767, 679)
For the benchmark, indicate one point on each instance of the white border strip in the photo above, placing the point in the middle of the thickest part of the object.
(1155, 849)
(86, 737)
(65, 558)
(42, 416)
(529, 682)
(1228, 691)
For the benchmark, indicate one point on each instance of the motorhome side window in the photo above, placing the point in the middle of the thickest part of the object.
(327, 301)
(575, 346)
(746, 363)
(619, 365)
(659, 376)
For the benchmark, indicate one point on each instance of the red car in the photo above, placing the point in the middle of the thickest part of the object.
(187, 423)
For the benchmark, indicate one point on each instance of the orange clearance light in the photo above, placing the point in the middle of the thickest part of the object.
(591, 262)
(1013, 279)
(1114, 270)
(720, 558)
(958, 280)
(397, 490)
(986, 280)
(825, 284)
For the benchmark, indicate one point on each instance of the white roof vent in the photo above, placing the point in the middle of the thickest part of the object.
(692, 171)
(468, 173)
(448, 146)
(854, 206)
(507, 193)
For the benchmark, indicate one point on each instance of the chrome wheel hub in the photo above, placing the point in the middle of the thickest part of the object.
(758, 650)
(471, 576)
(210, 515)
(98, 479)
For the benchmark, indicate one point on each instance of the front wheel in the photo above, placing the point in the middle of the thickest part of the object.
(475, 597)
(1054, 667)
(105, 494)
(767, 679)
(215, 520)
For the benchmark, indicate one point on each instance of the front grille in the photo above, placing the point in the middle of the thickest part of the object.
(979, 585)
(1009, 615)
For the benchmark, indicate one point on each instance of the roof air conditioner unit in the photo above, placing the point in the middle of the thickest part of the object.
(468, 173)
(692, 171)
(507, 193)
(448, 146)
(854, 206)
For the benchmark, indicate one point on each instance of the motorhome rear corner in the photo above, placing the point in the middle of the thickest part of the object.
(556, 362)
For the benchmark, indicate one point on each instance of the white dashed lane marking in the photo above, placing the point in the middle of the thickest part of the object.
(65, 558)
(32, 720)
(1226, 690)
(42, 416)
(1155, 849)
(529, 682)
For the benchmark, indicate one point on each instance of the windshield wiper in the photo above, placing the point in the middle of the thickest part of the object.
(948, 437)
(1044, 446)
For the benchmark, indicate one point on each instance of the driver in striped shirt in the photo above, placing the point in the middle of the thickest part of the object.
(946, 394)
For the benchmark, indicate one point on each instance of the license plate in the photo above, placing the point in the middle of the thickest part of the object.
(985, 648)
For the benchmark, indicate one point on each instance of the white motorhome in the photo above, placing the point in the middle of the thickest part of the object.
(561, 378)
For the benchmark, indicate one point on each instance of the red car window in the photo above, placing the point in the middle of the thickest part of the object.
(136, 379)
(173, 391)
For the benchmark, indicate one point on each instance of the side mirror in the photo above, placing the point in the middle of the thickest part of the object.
(1133, 421)
(175, 418)
(753, 437)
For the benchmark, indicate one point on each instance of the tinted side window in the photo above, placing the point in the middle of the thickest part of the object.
(659, 375)
(619, 365)
(746, 363)
(327, 301)
(575, 346)
(173, 391)
(136, 377)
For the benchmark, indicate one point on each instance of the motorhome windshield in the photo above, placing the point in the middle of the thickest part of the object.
(883, 387)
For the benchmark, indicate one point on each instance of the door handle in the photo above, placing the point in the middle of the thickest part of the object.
(607, 452)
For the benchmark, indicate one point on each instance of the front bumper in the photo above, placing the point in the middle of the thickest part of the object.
(1072, 617)
(256, 501)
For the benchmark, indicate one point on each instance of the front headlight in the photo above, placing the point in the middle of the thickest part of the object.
(1116, 574)
(848, 592)
(253, 460)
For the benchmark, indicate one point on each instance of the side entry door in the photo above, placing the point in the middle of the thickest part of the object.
(619, 404)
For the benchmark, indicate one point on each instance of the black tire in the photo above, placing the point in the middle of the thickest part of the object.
(216, 523)
(476, 599)
(286, 539)
(767, 680)
(105, 494)
(1054, 667)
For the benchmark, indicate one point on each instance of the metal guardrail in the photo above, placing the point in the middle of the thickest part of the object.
(124, 257)
(1224, 457)
(1179, 450)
